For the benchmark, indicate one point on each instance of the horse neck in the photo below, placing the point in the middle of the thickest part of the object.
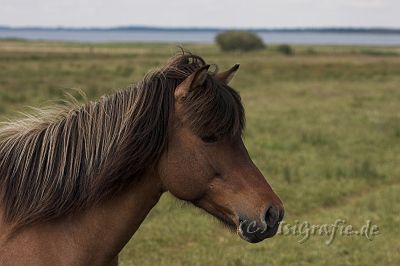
(98, 234)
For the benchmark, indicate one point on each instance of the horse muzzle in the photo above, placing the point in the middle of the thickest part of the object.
(255, 231)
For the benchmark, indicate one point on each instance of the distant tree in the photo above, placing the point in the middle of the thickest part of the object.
(285, 49)
(239, 41)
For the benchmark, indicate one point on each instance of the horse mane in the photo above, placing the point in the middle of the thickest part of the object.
(69, 158)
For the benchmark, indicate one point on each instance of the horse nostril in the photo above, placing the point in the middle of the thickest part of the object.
(272, 216)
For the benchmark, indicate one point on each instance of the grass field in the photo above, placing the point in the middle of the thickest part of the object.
(322, 125)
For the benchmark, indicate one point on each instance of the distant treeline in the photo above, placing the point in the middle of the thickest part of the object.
(192, 29)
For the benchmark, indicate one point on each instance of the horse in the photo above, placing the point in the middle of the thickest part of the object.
(76, 181)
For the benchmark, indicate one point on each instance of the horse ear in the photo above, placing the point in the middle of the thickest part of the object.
(228, 75)
(192, 82)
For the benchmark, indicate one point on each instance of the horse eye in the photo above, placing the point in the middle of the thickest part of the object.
(209, 139)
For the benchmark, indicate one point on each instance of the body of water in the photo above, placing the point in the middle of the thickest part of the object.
(387, 39)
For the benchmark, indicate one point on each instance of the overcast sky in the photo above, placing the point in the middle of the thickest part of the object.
(198, 13)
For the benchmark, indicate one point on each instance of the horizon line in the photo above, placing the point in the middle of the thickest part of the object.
(205, 28)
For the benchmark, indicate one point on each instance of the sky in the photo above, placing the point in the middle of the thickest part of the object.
(201, 13)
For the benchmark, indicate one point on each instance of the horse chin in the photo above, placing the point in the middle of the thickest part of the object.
(223, 219)
(251, 240)
(228, 224)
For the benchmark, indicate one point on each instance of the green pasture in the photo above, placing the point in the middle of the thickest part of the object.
(323, 125)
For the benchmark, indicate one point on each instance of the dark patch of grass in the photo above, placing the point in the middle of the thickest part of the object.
(124, 71)
(367, 170)
(397, 132)
(316, 138)
(285, 49)
(376, 52)
(8, 97)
